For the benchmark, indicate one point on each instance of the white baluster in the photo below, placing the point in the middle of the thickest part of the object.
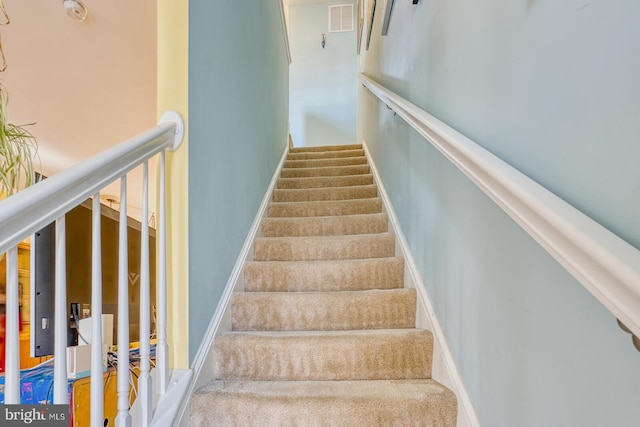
(123, 419)
(144, 380)
(12, 331)
(162, 349)
(60, 393)
(97, 390)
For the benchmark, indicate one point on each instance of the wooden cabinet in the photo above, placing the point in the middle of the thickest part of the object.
(26, 361)
(23, 280)
(24, 295)
(81, 398)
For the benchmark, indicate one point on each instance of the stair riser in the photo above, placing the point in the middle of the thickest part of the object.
(324, 276)
(325, 155)
(325, 148)
(326, 208)
(324, 226)
(323, 331)
(389, 403)
(329, 356)
(325, 171)
(319, 194)
(320, 163)
(323, 248)
(324, 181)
(327, 311)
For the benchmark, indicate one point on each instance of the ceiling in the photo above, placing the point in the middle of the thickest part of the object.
(87, 85)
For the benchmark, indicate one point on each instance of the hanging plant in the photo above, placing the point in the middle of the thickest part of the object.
(18, 149)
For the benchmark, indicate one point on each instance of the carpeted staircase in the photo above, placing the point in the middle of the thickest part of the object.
(324, 332)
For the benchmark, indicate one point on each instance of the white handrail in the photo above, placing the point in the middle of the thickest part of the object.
(30, 210)
(606, 265)
(285, 29)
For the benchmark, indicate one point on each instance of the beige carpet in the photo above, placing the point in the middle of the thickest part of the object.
(324, 332)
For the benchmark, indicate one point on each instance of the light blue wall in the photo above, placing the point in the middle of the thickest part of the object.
(323, 81)
(238, 113)
(552, 88)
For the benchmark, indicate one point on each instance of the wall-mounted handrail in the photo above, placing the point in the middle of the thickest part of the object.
(603, 263)
(285, 29)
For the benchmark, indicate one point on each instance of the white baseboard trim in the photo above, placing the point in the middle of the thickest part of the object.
(201, 375)
(164, 409)
(444, 370)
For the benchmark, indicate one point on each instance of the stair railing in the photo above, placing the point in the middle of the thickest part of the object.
(285, 30)
(31, 209)
(607, 266)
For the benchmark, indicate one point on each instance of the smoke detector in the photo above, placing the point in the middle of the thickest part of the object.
(75, 10)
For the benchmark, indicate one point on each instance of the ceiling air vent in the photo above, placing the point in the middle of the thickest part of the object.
(340, 18)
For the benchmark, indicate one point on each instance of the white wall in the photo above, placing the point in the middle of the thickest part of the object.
(86, 85)
(551, 88)
(322, 81)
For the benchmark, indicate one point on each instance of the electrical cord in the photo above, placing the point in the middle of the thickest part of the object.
(112, 362)
(46, 399)
(155, 324)
(106, 381)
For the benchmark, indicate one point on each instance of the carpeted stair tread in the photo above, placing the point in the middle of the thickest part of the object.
(320, 194)
(324, 247)
(327, 311)
(324, 148)
(325, 225)
(424, 403)
(325, 181)
(320, 163)
(326, 355)
(322, 329)
(324, 154)
(311, 276)
(325, 208)
(325, 171)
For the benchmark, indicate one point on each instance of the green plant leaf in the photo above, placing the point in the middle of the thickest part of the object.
(18, 150)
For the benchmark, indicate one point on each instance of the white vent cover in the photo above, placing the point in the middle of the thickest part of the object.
(340, 18)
